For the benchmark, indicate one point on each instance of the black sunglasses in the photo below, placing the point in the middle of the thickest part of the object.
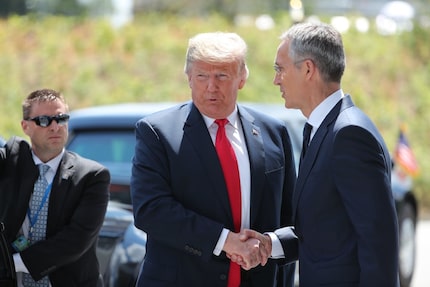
(45, 121)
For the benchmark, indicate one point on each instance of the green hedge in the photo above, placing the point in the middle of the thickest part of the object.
(92, 64)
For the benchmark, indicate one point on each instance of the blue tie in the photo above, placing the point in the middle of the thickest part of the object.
(38, 216)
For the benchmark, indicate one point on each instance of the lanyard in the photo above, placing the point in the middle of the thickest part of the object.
(33, 219)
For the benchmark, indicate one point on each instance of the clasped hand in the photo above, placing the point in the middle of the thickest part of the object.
(248, 248)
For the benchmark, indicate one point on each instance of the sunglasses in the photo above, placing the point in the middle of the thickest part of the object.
(45, 121)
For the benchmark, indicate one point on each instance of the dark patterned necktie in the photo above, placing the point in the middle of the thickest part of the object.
(306, 138)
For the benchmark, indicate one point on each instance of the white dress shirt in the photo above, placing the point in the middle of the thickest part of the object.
(234, 133)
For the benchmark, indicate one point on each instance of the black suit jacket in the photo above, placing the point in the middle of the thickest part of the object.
(180, 198)
(77, 206)
(345, 217)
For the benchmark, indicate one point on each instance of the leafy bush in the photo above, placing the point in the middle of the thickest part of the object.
(93, 64)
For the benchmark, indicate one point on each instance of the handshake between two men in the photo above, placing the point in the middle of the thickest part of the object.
(248, 248)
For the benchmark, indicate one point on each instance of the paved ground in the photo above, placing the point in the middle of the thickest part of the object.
(422, 264)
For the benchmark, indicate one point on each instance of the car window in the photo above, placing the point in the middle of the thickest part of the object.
(112, 148)
(104, 146)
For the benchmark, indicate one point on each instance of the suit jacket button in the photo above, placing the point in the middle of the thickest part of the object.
(223, 277)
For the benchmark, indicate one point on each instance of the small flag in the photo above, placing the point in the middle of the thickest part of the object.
(404, 156)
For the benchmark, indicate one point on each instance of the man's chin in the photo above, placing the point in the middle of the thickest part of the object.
(57, 145)
(286, 104)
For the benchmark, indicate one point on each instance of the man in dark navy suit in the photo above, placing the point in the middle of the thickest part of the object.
(345, 225)
(181, 196)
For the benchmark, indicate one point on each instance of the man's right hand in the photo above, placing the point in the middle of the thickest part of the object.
(258, 248)
(247, 253)
(265, 244)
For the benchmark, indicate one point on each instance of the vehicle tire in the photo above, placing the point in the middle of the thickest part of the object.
(407, 244)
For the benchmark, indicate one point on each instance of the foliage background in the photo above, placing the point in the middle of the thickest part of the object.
(93, 64)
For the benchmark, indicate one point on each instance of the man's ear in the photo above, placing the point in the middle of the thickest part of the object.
(189, 80)
(242, 82)
(25, 127)
(310, 68)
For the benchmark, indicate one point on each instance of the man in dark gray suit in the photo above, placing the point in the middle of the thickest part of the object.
(76, 199)
(344, 215)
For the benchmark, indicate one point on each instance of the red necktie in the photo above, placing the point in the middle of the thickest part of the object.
(230, 170)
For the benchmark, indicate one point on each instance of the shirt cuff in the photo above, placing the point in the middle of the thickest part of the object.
(19, 264)
(221, 242)
(277, 250)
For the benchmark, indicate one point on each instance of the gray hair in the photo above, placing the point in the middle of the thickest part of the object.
(322, 44)
(217, 47)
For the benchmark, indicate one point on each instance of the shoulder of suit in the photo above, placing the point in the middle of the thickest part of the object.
(17, 146)
(168, 115)
(17, 141)
(260, 116)
(78, 160)
(353, 116)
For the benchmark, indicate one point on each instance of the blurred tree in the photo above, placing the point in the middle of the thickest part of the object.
(229, 8)
(63, 7)
(10, 7)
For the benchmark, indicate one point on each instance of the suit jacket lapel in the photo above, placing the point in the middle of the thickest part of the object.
(60, 189)
(195, 127)
(196, 132)
(254, 143)
(314, 147)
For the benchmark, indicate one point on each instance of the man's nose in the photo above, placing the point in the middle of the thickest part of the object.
(212, 84)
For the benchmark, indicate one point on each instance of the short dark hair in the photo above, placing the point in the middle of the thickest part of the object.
(43, 95)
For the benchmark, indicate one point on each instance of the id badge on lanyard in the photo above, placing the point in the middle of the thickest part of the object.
(22, 242)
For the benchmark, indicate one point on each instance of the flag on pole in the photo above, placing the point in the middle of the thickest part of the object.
(404, 156)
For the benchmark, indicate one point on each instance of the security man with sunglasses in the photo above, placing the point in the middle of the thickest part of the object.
(52, 201)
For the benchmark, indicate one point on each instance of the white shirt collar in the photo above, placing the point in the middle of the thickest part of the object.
(322, 110)
(233, 119)
(53, 164)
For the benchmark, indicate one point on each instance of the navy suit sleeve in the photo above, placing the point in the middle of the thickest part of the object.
(170, 191)
(289, 243)
(362, 176)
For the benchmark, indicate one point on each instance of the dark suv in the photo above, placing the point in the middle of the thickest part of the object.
(106, 134)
